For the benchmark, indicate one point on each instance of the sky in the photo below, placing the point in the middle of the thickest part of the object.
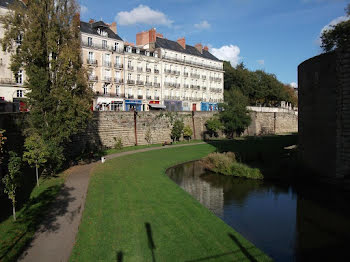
(271, 35)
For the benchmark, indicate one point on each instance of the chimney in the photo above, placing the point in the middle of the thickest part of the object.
(152, 35)
(206, 48)
(146, 37)
(130, 44)
(159, 35)
(199, 48)
(113, 27)
(91, 21)
(182, 42)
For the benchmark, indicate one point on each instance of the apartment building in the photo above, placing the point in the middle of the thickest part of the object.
(191, 77)
(103, 56)
(156, 73)
(12, 90)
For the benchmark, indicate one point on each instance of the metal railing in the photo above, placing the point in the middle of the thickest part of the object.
(93, 78)
(148, 83)
(131, 82)
(118, 66)
(191, 62)
(91, 62)
(101, 47)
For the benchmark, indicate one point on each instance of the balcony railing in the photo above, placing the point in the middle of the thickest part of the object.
(156, 71)
(139, 82)
(91, 62)
(131, 82)
(107, 63)
(149, 97)
(204, 77)
(118, 66)
(148, 84)
(185, 74)
(156, 98)
(216, 90)
(167, 71)
(156, 84)
(191, 62)
(167, 84)
(186, 86)
(130, 68)
(140, 69)
(107, 79)
(130, 96)
(148, 70)
(139, 97)
(101, 47)
(118, 80)
(195, 76)
(110, 95)
(93, 78)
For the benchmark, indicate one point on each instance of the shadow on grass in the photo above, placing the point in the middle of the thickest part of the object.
(37, 215)
(151, 244)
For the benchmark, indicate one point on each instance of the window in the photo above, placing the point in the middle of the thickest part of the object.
(137, 51)
(138, 77)
(117, 60)
(155, 80)
(129, 64)
(19, 93)
(19, 78)
(91, 56)
(89, 41)
(117, 90)
(105, 89)
(129, 76)
(104, 44)
(116, 46)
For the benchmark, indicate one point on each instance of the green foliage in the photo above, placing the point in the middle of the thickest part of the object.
(36, 153)
(213, 125)
(187, 132)
(49, 53)
(338, 36)
(12, 179)
(118, 143)
(226, 164)
(148, 136)
(177, 130)
(234, 114)
(260, 87)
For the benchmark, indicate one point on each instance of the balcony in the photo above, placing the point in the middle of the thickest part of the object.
(195, 76)
(204, 88)
(130, 96)
(148, 70)
(149, 97)
(110, 95)
(191, 62)
(130, 68)
(107, 79)
(185, 74)
(186, 86)
(167, 71)
(131, 82)
(139, 69)
(156, 98)
(91, 62)
(101, 47)
(93, 78)
(107, 63)
(118, 80)
(156, 84)
(177, 73)
(204, 77)
(148, 83)
(118, 66)
(156, 71)
(139, 82)
(139, 97)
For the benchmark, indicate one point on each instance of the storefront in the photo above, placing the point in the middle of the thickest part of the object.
(186, 106)
(108, 104)
(207, 106)
(133, 105)
(155, 105)
(172, 105)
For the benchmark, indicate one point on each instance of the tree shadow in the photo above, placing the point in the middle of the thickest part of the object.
(39, 214)
(151, 244)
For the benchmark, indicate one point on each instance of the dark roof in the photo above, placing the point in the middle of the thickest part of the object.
(7, 3)
(175, 46)
(92, 29)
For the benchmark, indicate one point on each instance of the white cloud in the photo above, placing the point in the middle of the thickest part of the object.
(202, 25)
(261, 62)
(334, 22)
(83, 9)
(227, 53)
(142, 15)
(294, 85)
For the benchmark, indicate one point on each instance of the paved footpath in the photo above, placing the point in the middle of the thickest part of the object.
(55, 238)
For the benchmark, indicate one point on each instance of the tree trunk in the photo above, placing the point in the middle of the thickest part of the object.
(37, 175)
(14, 212)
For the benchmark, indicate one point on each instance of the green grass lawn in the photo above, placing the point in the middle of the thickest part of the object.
(132, 148)
(15, 235)
(134, 212)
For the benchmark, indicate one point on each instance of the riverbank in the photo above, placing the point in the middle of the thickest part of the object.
(134, 212)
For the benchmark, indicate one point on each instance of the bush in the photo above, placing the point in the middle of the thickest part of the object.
(226, 164)
(177, 130)
(148, 136)
(213, 125)
(118, 143)
(187, 132)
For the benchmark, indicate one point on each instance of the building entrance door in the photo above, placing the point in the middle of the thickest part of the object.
(194, 107)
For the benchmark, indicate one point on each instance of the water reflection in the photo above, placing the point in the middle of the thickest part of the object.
(289, 223)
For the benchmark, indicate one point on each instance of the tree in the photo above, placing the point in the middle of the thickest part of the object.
(338, 36)
(36, 154)
(234, 114)
(187, 132)
(148, 136)
(177, 130)
(2, 142)
(12, 179)
(213, 125)
(49, 52)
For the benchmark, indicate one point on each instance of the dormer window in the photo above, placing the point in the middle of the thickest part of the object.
(128, 49)
(155, 54)
(137, 51)
(102, 32)
(147, 53)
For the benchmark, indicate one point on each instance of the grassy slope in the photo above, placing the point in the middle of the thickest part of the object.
(127, 193)
(14, 236)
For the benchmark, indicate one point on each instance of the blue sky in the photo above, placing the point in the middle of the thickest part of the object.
(273, 35)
